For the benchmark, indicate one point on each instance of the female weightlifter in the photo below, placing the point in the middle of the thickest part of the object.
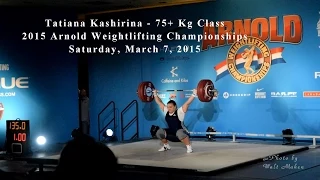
(174, 117)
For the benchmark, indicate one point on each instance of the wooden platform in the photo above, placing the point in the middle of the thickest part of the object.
(207, 156)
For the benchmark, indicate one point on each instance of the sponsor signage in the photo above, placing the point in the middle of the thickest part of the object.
(227, 95)
(260, 94)
(311, 94)
(284, 94)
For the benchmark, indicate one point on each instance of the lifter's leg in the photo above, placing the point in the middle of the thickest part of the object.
(164, 141)
(161, 134)
(184, 138)
(186, 141)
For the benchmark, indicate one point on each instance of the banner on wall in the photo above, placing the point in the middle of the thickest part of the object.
(250, 59)
(9, 84)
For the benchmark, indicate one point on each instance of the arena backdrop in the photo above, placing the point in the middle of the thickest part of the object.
(38, 78)
(283, 92)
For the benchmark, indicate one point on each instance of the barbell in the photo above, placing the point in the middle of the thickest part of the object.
(205, 91)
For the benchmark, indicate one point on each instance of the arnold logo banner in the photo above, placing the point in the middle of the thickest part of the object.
(256, 54)
(250, 59)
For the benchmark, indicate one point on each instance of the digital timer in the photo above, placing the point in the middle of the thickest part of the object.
(17, 136)
(20, 137)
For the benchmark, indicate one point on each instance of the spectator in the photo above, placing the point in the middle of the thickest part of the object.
(83, 156)
(84, 111)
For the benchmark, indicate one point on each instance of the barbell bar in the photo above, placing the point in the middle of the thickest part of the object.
(205, 91)
(179, 90)
(172, 90)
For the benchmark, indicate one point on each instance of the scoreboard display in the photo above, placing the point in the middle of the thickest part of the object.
(18, 137)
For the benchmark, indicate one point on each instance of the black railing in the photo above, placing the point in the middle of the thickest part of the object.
(135, 118)
(113, 111)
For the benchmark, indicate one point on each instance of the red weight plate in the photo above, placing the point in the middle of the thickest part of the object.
(203, 88)
(145, 91)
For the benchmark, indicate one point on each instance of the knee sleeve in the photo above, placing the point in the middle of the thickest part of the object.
(161, 134)
(181, 134)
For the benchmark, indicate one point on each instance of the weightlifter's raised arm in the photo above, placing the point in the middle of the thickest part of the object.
(158, 100)
(189, 101)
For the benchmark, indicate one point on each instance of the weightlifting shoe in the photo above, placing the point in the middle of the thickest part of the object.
(165, 148)
(189, 149)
